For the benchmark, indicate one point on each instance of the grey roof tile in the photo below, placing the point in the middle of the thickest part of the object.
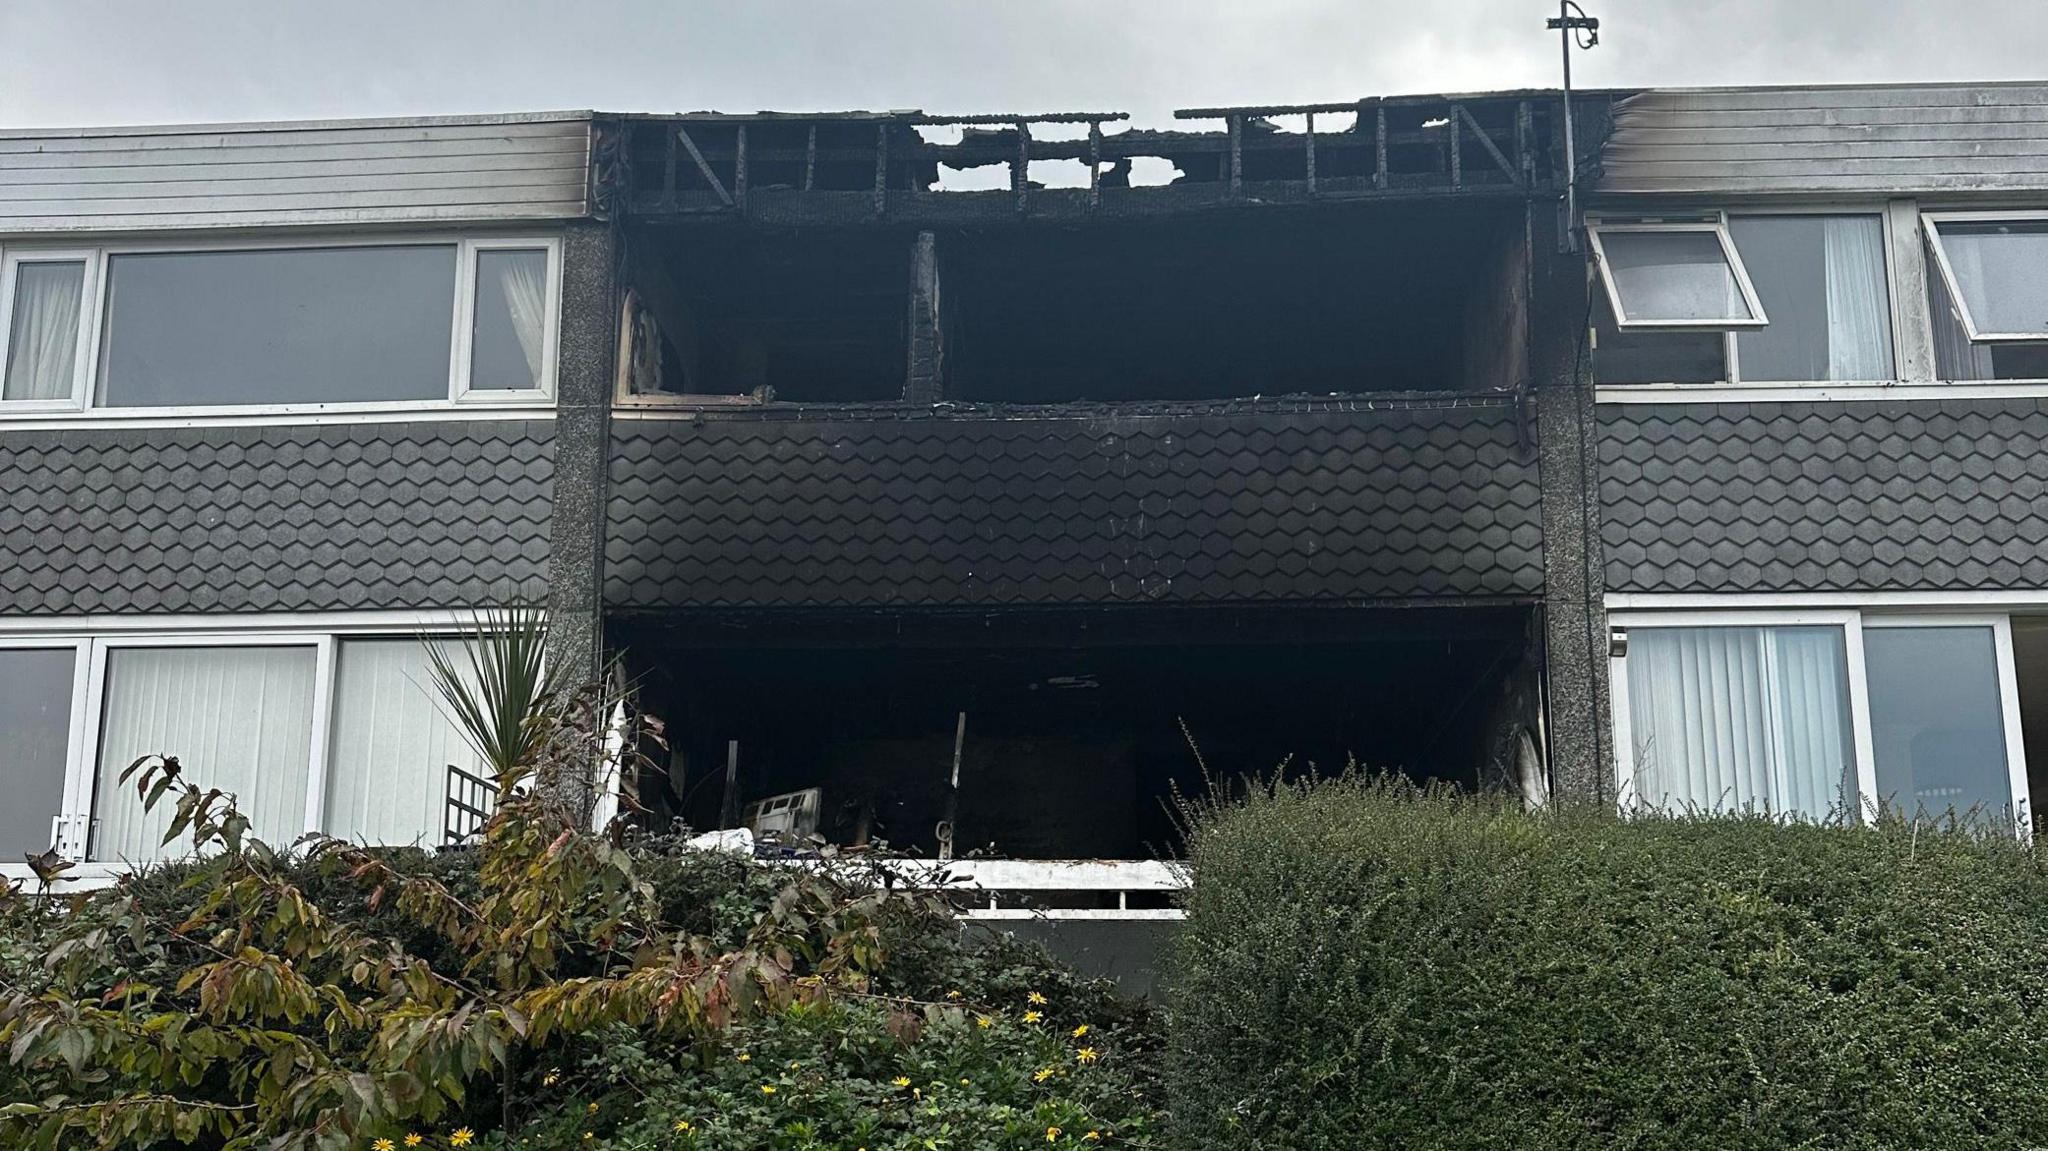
(969, 507)
(265, 518)
(1921, 495)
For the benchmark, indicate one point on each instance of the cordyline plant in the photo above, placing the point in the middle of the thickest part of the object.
(267, 1015)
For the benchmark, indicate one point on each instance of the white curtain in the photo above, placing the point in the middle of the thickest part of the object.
(387, 769)
(1739, 718)
(521, 279)
(238, 718)
(1859, 320)
(1955, 357)
(42, 336)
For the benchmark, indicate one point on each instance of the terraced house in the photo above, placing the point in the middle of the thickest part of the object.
(960, 484)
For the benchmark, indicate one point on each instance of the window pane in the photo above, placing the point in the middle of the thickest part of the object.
(387, 774)
(42, 335)
(1936, 726)
(1821, 280)
(1666, 277)
(1635, 357)
(35, 729)
(238, 718)
(2002, 271)
(1740, 719)
(316, 325)
(511, 312)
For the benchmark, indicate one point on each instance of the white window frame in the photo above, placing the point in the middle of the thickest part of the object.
(465, 320)
(1932, 222)
(11, 260)
(65, 831)
(84, 400)
(323, 632)
(1901, 316)
(1853, 621)
(1716, 225)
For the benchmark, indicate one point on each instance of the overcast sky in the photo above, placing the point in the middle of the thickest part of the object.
(78, 62)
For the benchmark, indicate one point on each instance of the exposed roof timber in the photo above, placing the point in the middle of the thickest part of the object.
(678, 166)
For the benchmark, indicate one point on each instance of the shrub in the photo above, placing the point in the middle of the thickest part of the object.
(548, 984)
(1370, 965)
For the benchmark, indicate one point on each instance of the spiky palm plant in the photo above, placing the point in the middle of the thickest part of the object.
(500, 690)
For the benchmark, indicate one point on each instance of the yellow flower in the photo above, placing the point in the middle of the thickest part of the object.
(1085, 1055)
(983, 1021)
(682, 1126)
(963, 1083)
(461, 1137)
(381, 1145)
(592, 1108)
(1043, 1074)
(952, 995)
(1035, 999)
(413, 1139)
(1052, 1135)
(901, 1081)
(1032, 1017)
(550, 1079)
(1091, 1136)
(744, 1057)
(1080, 1031)
(767, 1088)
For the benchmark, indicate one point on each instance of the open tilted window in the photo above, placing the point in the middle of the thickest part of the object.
(1996, 273)
(1663, 274)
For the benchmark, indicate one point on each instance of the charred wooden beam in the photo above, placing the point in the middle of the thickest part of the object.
(925, 378)
(703, 165)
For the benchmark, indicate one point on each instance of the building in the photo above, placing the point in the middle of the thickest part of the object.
(979, 521)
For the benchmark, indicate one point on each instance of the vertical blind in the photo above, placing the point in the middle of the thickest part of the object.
(238, 718)
(1740, 719)
(387, 771)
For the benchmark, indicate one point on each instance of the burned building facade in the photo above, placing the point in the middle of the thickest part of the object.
(993, 515)
(971, 485)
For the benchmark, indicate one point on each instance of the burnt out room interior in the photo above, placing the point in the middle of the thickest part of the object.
(1071, 734)
(1351, 298)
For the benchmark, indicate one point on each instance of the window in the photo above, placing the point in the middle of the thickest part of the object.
(1987, 296)
(140, 329)
(338, 732)
(1822, 281)
(307, 325)
(1936, 727)
(46, 298)
(1741, 718)
(387, 772)
(238, 718)
(1820, 713)
(36, 685)
(1674, 275)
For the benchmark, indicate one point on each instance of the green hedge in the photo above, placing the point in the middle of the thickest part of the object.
(1366, 965)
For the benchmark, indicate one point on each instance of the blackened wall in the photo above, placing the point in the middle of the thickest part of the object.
(255, 518)
(1852, 496)
(1274, 501)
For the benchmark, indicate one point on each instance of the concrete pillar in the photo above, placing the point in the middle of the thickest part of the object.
(925, 382)
(583, 403)
(1574, 589)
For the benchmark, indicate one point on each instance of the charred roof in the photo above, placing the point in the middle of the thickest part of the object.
(907, 167)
